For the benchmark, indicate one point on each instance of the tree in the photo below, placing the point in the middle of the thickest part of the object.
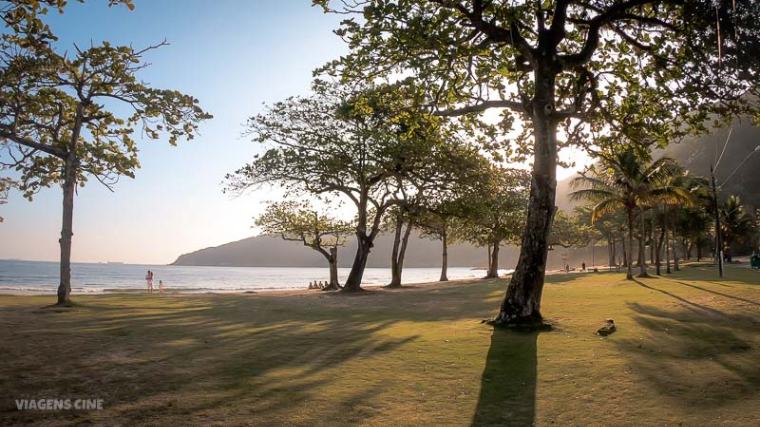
(607, 227)
(494, 211)
(5, 185)
(452, 168)
(570, 230)
(736, 224)
(299, 221)
(358, 142)
(437, 221)
(581, 65)
(690, 222)
(24, 20)
(401, 219)
(624, 181)
(55, 112)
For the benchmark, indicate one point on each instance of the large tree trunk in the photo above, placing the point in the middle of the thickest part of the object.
(493, 264)
(667, 246)
(444, 257)
(522, 302)
(67, 225)
(642, 249)
(332, 260)
(71, 165)
(395, 273)
(658, 252)
(610, 252)
(676, 266)
(399, 253)
(629, 249)
(354, 280)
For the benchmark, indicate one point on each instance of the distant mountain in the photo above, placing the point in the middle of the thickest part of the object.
(272, 251)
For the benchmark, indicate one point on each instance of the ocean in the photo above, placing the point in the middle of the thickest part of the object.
(42, 277)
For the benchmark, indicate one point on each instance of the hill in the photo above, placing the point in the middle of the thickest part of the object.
(697, 153)
(272, 251)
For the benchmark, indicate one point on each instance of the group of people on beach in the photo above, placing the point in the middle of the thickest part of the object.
(568, 269)
(149, 280)
(318, 285)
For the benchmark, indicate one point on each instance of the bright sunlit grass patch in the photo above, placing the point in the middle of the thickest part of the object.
(686, 351)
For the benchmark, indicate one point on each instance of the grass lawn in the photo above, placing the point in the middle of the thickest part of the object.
(687, 351)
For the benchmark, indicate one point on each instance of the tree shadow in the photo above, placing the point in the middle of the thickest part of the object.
(508, 384)
(203, 359)
(693, 356)
(719, 293)
(700, 309)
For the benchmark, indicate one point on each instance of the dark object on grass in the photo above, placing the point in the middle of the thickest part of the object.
(755, 261)
(607, 328)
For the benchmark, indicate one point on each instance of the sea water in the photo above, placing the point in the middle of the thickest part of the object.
(42, 277)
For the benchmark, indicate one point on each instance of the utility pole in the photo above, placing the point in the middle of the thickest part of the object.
(718, 246)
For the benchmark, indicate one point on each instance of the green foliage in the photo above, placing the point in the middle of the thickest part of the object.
(440, 218)
(571, 230)
(55, 107)
(24, 20)
(626, 181)
(5, 185)
(737, 225)
(371, 144)
(299, 221)
(651, 70)
(494, 211)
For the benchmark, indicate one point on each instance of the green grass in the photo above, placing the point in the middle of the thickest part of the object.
(687, 350)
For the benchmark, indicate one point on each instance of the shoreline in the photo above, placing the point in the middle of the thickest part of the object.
(260, 291)
(268, 290)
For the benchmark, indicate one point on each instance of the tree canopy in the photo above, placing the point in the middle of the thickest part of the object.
(371, 144)
(560, 72)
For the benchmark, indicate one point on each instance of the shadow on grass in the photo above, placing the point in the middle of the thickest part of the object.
(212, 359)
(719, 293)
(694, 357)
(701, 309)
(508, 385)
(563, 277)
(196, 359)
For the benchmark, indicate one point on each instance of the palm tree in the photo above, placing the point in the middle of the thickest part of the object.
(687, 197)
(627, 181)
(736, 223)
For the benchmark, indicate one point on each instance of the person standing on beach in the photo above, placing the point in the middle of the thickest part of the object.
(149, 280)
(160, 286)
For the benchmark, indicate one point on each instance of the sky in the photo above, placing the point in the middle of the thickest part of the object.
(234, 56)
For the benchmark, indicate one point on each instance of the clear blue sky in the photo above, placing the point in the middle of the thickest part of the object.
(231, 54)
